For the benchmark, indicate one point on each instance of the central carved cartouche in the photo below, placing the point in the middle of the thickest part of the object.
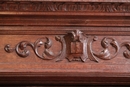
(75, 46)
(78, 42)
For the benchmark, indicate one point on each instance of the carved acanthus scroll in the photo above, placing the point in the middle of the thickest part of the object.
(105, 54)
(75, 46)
(126, 53)
(22, 51)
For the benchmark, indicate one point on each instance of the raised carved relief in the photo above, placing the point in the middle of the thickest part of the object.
(126, 53)
(105, 54)
(76, 46)
(64, 6)
(22, 51)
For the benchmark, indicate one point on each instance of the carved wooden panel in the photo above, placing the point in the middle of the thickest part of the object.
(76, 46)
(65, 6)
(61, 42)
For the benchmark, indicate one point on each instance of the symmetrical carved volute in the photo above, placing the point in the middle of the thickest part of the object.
(75, 45)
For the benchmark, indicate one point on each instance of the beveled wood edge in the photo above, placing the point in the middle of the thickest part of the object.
(66, 13)
(29, 78)
(62, 32)
(75, 0)
(65, 74)
(42, 30)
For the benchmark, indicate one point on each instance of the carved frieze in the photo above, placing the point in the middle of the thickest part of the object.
(64, 6)
(75, 45)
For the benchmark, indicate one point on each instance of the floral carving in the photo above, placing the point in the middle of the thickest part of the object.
(75, 46)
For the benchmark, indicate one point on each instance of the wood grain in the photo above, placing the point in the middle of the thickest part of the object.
(27, 25)
(12, 61)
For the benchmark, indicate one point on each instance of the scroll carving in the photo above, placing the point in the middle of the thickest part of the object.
(75, 46)
(126, 53)
(105, 54)
(22, 51)
(64, 6)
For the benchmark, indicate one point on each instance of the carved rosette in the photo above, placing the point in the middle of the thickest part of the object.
(76, 46)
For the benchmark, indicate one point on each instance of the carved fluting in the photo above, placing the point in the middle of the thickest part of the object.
(75, 46)
(64, 6)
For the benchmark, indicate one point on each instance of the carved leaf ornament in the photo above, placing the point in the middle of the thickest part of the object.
(75, 46)
(64, 6)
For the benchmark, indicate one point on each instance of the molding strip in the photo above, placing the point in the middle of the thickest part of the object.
(64, 6)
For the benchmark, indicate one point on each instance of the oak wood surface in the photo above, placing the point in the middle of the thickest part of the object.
(111, 26)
